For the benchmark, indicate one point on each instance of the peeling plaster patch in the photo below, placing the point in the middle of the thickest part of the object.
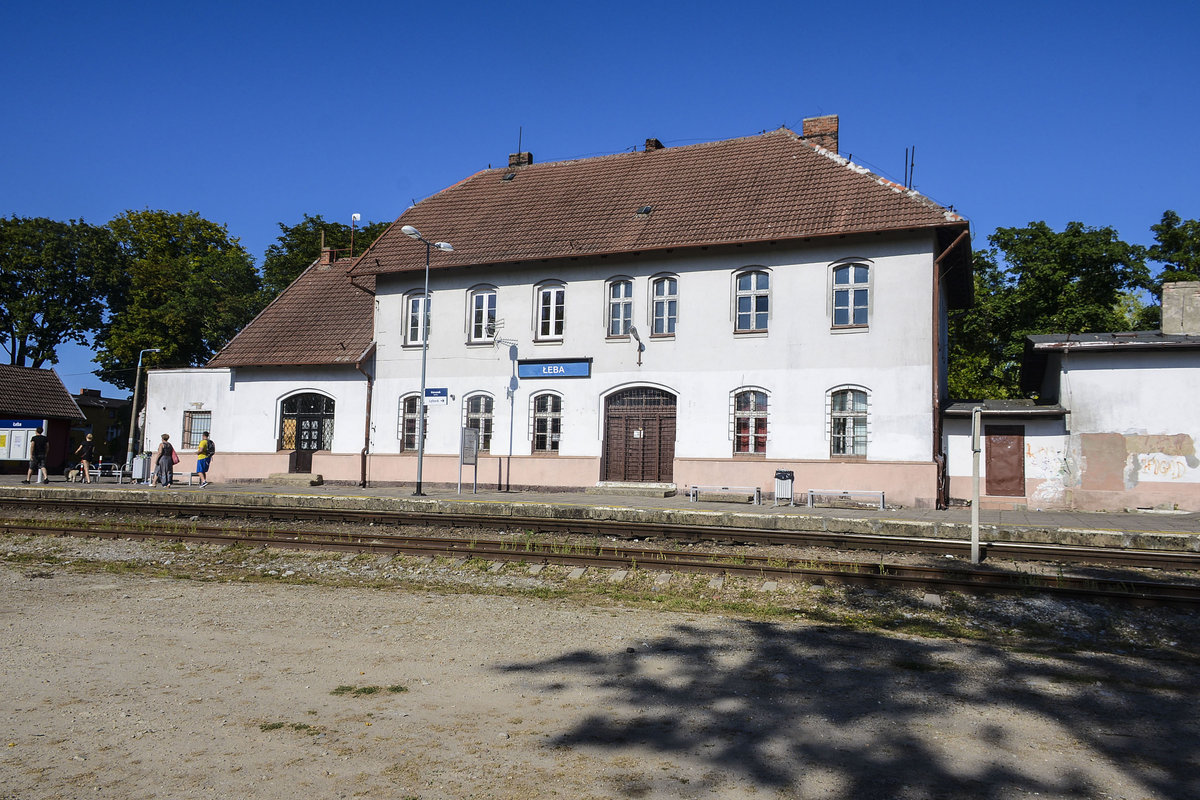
(1104, 460)
(1179, 444)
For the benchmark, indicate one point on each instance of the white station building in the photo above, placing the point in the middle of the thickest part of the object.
(690, 316)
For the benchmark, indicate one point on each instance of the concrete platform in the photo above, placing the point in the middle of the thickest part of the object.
(1150, 530)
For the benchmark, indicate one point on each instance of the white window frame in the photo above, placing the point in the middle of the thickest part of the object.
(404, 415)
(859, 443)
(554, 436)
(668, 302)
(552, 326)
(415, 330)
(479, 417)
(753, 293)
(763, 415)
(851, 288)
(481, 313)
(618, 307)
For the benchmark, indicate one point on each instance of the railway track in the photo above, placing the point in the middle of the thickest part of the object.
(1174, 561)
(621, 556)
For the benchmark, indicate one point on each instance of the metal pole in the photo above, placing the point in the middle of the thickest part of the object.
(137, 382)
(424, 361)
(976, 416)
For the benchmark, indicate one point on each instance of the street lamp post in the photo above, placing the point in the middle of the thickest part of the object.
(137, 382)
(409, 230)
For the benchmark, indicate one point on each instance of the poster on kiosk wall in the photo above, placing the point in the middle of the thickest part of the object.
(14, 438)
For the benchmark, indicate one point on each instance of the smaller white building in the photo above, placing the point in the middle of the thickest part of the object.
(1115, 428)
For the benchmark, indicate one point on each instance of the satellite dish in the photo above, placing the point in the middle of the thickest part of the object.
(513, 383)
(512, 352)
(355, 217)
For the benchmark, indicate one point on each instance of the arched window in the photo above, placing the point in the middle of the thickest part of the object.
(848, 422)
(551, 301)
(851, 295)
(547, 423)
(482, 314)
(620, 306)
(752, 301)
(750, 421)
(407, 429)
(665, 306)
(416, 318)
(479, 417)
(306, 422)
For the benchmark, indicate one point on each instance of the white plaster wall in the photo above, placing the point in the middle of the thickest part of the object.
(1142, 392)
(245, 404)
(797, 362)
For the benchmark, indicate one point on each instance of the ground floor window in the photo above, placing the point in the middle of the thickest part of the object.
(750, 422)
(195, 423)
(848, 423)
(547, 423)
(408, 423)
(479, 417)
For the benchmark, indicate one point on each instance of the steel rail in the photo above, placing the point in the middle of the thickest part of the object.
(1184, 561)
(621, 557)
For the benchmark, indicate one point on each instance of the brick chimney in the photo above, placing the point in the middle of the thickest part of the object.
(653, 144)
(326, 256)
(822, 131)
(1181, 307)
(520, 159)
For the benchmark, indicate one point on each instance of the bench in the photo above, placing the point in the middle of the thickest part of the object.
(854, 496)
(693, 492)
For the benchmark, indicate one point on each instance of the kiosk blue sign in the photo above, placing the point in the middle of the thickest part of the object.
(555, 368)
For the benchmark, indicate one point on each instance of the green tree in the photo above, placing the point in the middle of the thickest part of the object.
(1177, 247)
(47, 271)
(182, 285)
(1036, 280)
(299, 245)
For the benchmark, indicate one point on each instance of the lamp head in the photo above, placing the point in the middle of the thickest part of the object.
(444, 246)
(409, 230)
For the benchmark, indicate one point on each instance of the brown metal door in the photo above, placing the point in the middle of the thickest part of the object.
(639, 436)
(1005, 460)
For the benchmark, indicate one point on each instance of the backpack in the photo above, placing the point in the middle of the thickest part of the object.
(211, 450)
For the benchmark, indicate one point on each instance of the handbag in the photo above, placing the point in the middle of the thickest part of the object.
(174, 456)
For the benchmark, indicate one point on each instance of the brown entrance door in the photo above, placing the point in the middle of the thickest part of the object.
(1005, 456)
(639, 436)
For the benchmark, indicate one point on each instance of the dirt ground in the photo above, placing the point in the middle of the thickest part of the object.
(132, 686)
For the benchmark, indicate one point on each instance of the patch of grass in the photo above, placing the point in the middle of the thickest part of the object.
(343, 690)
(270, 726)
(397, 688)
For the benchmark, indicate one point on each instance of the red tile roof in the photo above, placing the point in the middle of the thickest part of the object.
(35, 393)
(770, 187)
(319, 319)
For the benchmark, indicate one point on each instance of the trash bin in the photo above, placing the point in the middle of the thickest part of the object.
(784, 479)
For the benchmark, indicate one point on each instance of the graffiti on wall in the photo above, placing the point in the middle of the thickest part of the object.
(1049, 463)
(1118, 462)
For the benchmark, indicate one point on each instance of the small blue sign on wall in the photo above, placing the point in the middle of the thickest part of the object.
(555, 368)
(20, 423)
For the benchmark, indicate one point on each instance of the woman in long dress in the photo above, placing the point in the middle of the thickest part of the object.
(164, 467)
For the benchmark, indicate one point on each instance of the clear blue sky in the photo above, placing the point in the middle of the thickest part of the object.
(256, 113)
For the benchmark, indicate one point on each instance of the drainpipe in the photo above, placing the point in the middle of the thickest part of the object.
(939, 458)
(366, 448)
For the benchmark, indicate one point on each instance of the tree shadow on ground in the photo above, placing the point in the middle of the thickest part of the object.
(816, 710)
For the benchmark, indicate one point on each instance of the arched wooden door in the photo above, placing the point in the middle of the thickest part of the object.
(306, 425)
(639, 436)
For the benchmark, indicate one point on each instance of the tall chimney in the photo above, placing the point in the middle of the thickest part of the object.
(653, 144)
(520, 159)
(822, 131)
(1181, 307)
(326, 256)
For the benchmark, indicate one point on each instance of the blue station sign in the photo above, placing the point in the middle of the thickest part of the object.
(555, 368)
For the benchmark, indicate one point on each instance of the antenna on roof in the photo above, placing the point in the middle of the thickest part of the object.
(520, 134)
(910, 164)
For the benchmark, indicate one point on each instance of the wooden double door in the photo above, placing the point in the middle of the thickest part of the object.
(306, 426)
(639, 436)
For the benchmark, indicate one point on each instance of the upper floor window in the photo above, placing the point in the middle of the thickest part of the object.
(483, 315)
(416, 318)
(851, 295)
(750, 422)
(479, 417)
(665, 306)
(547, 423)
(848, 423)
(620, 307)
(551, 311)
(408, 422)
(753, 301)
